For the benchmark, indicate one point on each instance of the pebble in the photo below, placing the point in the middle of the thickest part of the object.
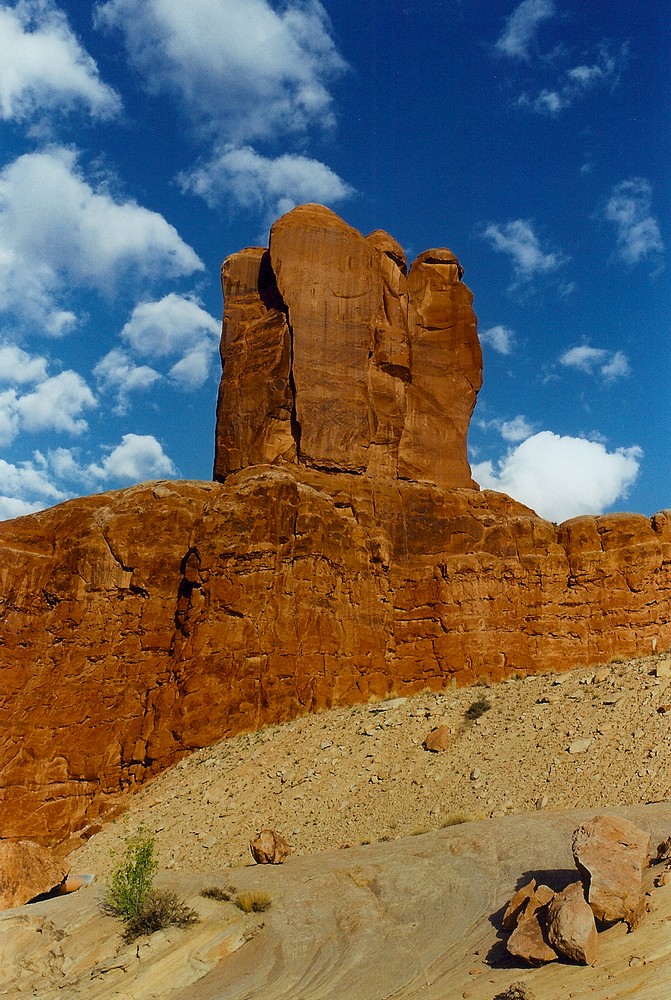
(579, 746)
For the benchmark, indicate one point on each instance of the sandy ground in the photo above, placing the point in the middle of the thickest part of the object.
(358, 775)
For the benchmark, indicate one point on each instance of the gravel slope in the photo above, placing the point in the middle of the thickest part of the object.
(350, 776)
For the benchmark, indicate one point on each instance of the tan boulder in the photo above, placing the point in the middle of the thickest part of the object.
(27, 870)
(269, 848)
(610, 854)
(571, 930)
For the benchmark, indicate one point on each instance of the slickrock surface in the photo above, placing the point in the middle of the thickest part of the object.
(360, 774)
(336, 358)
(415, 918)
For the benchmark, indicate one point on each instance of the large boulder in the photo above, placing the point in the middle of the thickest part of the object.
(610, 854)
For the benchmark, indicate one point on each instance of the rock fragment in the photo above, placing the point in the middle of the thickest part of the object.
(438, 740)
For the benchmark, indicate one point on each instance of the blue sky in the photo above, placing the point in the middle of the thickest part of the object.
(144, 140)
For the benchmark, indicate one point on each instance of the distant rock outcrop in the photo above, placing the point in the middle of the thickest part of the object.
(344, 555)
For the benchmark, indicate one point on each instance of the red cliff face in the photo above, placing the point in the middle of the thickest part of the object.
(332, 563)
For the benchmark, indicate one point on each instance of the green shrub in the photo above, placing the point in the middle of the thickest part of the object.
(478, 708)
(131, 896)
(253, 902)
(160, 909)
(131, 881)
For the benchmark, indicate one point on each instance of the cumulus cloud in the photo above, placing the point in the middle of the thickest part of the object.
(517, 429)
(610, 365)
(35, 402)
(518, 240)
(521, 28)
(500, 338)
(246, 178)
(138, 457)
(43, 66)
(57, 232)
(629, 208)
(562, 477)
(174, 327)
(118, 374)
(49, 478)
(243, 69)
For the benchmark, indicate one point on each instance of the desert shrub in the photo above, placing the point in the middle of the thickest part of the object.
(160, 909)
(456, 819)
(224, 895)
(130, 894)
(131, 881)
(478, 708)
(516, 991)
(253, 902)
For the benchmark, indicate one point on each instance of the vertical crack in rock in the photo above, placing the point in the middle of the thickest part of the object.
(295, 422)
(191, 580)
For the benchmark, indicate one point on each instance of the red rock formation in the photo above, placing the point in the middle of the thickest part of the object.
(333, 359)
(136, 626)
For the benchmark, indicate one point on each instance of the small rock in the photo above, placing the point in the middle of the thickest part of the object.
(601, 675)
(475, 774)
(664, 878)
(388, 706)
(438, 740)
(663, 668)
(269, 848)
(542, 802)
(209, 842)
(580, 745)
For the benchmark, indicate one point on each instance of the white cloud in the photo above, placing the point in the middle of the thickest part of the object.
(518, 240)
(630, 209)
(175, 325)
(19, 367)
(54, 403)
(117, 373)
(57, 233)
(244, 177)
(137, 458)
(517, 429)
(596, 360)
(57, 404)
(242, 68)
(562, 477)
(499, 338)
(43, 66)
(172, 325)
(576, 82)
(522, 26)
(24, 488)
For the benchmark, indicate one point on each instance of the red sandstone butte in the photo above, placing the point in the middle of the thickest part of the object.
(345, 552)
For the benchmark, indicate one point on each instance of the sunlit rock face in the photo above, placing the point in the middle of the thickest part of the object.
(336, 359)
(343, 555)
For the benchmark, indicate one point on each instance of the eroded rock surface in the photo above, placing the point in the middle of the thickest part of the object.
(27, 870)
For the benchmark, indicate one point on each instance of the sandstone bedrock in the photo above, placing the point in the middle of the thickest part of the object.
(336, 561)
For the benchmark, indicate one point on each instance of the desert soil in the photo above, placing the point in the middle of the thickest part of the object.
(587, 738)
